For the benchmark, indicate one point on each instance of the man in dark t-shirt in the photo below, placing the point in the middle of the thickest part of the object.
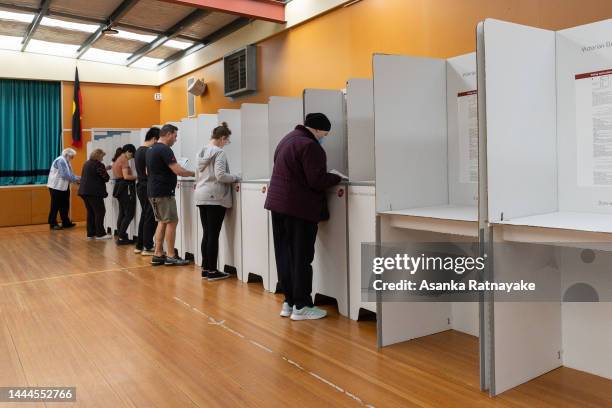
(162, 171)
(147, 224)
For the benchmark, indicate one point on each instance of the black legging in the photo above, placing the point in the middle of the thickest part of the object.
(60, 202)
(95, 216)
(126, 195)
(211, 217)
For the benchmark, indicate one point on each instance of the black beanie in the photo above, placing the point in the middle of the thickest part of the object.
(317, 121)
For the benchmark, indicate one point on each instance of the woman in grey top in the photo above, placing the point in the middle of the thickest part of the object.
(213, 195)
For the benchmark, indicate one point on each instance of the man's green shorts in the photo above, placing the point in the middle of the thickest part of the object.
(164, 209)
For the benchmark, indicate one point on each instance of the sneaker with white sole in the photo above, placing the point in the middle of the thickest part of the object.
(107, 236)
(307, 313)
(176, 261)
(216, 275)
(137, 250)
(286, 310)
(158, 260)
(148, 252)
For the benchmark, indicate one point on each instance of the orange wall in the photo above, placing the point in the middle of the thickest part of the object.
(106, 106)
(328, 50)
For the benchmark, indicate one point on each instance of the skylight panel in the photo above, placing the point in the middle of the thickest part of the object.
(110, 57)
(147, 63)
(23, 17)
(52, 48)
(181, 45)
(134, 36)
(52, 22)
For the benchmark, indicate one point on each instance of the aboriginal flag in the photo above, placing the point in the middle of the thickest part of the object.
(77, 113)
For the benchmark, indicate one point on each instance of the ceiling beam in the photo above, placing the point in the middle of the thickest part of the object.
(120, 11)
(173, 32)
(267, 10)
(44, 8)
(211, 38)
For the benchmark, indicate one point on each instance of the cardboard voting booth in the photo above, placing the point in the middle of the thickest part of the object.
(426, 178)
(255, 179)
(186, 151)
(361, 189)
(545, 178)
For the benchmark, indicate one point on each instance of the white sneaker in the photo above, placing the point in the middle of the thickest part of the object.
(107, 236)
(91, 238)
(308, 313)
(286, 310)
(137, 251)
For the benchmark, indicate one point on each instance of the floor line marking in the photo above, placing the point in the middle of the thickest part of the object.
(74, 275)
(221, 323)
(68, 275)
(261, 346)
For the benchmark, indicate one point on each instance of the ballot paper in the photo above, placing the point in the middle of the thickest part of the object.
(183, 162)
(337, 173)
(594, 128)
(467, 120)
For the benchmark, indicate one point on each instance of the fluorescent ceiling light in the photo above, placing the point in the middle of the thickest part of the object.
(52, 22)
(181, 45)
(147, 63)
(52, 48)
(135, 36)
(9, 15)
(110, 57)
(10, 43)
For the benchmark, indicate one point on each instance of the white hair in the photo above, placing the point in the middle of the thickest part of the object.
(69, 152)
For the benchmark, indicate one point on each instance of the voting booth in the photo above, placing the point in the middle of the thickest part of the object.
(426, 179)
(254, 186)
(546, 178)
(330, 265)
(206, 122)
(185, 151)
(284, 114)
(361, 189)
(230, 241)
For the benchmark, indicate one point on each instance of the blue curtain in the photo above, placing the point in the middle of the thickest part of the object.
(30, 130)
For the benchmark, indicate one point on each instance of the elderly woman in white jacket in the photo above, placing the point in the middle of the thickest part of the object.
(60, 177)
(213, 195)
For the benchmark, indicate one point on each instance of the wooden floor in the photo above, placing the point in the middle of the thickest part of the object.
(96, 316)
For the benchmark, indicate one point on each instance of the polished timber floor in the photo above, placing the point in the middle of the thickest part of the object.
(95, 316)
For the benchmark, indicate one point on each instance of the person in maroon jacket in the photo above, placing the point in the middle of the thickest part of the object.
(296, 199)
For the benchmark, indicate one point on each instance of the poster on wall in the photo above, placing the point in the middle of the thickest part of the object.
(594, 128)
(467, 121)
